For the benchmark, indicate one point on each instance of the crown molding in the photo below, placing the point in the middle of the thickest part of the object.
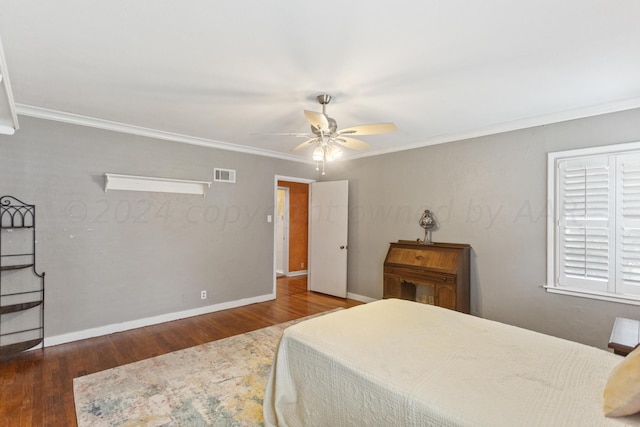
(562, 116)
(9, 119)
(80, 120)
(543, 120)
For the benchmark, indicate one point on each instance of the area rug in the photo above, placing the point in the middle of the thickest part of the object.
(220, 383)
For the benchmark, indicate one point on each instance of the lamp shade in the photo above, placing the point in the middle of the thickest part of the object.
(336, 152)
(318, 154)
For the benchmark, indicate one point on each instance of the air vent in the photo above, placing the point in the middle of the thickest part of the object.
(224, 175)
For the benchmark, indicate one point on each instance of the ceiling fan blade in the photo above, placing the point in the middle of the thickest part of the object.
(317, 120)
(354, 144)
(371, 129)
(304, 144)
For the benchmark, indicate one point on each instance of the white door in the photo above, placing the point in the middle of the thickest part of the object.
(328, 220)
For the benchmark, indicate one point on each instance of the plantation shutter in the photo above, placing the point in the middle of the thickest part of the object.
(628, 228)
(585, 234)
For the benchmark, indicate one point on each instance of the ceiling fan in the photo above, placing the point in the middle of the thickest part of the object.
(328, 138)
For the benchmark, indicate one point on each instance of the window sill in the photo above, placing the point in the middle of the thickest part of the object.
(622, 299)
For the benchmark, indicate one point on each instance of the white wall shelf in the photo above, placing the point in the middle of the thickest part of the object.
(159, 185)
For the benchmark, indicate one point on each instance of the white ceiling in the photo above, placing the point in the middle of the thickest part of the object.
(225, 73)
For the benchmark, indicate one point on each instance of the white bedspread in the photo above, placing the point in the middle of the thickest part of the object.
(400, 363)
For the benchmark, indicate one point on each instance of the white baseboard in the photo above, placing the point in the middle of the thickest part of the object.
(297, 273)
(148, 321)
(360, 298)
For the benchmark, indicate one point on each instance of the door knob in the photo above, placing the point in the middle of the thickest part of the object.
(342, 247)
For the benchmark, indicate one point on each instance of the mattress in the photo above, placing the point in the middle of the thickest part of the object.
(399, 363)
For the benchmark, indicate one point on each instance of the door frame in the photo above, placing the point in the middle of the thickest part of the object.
(275, 201)
(285, 233)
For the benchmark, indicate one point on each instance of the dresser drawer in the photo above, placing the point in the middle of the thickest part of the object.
(421, 275)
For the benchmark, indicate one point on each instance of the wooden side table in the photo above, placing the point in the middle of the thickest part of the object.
(625, 336)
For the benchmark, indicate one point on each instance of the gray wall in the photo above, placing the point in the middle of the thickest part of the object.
(120, 256)
(489, 192)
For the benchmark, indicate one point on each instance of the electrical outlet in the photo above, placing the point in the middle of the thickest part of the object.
(203, 295)
(302, 265)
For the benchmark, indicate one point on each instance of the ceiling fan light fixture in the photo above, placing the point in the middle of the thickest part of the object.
(318, 154)
(333, 153)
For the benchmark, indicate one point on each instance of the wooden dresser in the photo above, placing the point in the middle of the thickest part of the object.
(435, 274)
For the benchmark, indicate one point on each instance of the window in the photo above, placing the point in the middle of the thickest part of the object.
(593, 237)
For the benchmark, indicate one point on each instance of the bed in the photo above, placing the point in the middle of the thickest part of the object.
(400, 363)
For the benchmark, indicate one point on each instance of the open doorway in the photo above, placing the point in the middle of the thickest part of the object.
(291, 230)
(317, 248)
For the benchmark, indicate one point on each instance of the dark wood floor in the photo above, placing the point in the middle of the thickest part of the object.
(36, 387)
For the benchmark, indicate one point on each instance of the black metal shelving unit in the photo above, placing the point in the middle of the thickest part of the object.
(22, 308)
